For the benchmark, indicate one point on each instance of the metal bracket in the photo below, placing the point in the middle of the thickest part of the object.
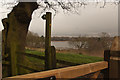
(44, 17)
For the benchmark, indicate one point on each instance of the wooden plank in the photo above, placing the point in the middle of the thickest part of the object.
(95, 75)
(28, 68)
(33, 55)
(6, 63)
(69, 72)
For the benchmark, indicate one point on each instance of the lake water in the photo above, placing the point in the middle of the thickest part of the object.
(61, 44)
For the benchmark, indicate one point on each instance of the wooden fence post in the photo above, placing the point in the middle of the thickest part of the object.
(106, 58)
(50, 52)
(12, 70)
(113, 71)
(48, 58)
(53, 56)
(3, 43)
(114, 65)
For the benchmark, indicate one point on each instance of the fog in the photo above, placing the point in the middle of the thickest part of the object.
(91, 20)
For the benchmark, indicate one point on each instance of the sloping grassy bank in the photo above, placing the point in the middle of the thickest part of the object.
(70, 57)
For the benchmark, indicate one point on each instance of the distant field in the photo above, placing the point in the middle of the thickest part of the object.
(70, 57)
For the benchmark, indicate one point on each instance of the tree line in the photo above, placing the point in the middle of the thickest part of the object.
(103, 42)
(33, 40)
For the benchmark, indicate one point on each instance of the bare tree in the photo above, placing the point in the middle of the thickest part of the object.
(16, 29)
(103, 42)
(34, 41)
(79, 43)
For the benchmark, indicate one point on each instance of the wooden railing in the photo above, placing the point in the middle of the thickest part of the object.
(110, 68)
(66, 73)
(6, 63)
(43, 58)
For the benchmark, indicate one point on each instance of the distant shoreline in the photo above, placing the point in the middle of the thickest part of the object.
(59, 41)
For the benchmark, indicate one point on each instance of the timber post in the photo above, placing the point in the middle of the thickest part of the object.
(112, 56)
(53, 56)
(48, 64)
(49, 51)
(106, 58)
(114, 65)
(113, 59)
(3, 42)
(10, 56)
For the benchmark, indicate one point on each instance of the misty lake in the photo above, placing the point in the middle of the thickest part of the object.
(61, 44)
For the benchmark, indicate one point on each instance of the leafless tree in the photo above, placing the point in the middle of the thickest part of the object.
(54, 5)
(103, 42)
(33, 40)
(79, 43)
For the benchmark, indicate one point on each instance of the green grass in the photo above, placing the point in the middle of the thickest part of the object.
(35, 60)
(74, 58)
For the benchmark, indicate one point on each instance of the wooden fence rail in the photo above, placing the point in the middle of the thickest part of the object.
(110, 68)
(68, 72)
(6, 63)
(43, 58)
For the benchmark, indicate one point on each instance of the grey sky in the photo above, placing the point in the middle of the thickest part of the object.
(92, 20)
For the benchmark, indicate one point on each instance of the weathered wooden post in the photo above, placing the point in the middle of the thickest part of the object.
(114, 69)
(114, 64)
(106, 58)
(11, 57)
(53, 55)
(48, 50)
(48, 64)
(113, 58)
(3, 43)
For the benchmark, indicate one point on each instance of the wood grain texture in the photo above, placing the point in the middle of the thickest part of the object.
(69, 72)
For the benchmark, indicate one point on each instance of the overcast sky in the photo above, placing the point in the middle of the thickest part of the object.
(91, 20)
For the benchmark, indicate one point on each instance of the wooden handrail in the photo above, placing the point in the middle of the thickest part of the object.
(68, 72)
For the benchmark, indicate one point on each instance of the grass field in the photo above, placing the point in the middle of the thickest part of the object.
(74, 58)
(39, 65)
